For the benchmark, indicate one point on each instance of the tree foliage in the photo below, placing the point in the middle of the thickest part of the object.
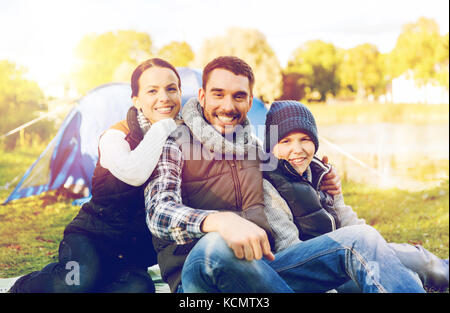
(110, 56)
(294, 87)
(317, 62)
(177, 53)
(442, 65)
(251, 46)
(361, 70)
(20, 100)
(422, 50)
(364, 71)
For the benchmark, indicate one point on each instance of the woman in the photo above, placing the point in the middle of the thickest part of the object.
(107, 247)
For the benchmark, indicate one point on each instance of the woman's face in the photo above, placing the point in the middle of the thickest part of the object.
(159, 96)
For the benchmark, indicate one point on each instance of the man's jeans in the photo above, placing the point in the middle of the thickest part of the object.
(355, 252)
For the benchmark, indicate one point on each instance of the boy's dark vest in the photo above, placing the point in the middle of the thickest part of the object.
(116, 211)
(312, 209)
(211, 184)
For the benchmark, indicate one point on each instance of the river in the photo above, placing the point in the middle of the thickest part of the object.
(388, 155)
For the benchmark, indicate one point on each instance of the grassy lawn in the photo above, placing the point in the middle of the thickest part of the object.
(31, 228)
(402, 216)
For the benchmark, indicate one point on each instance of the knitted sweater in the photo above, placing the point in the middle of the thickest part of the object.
(134, 167)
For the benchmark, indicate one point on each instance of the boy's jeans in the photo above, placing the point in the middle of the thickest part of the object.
(355, 252)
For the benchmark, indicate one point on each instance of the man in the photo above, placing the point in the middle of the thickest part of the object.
(205, 208)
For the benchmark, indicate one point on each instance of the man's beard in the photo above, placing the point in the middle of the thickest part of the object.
(224, 129)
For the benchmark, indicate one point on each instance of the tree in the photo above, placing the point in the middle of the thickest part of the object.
(107, 57)
(318, 62)
(293, 87)
(20, 100)
(422, 50)
(177, 53)
(251, 46)
(361, 70)
(442, 65)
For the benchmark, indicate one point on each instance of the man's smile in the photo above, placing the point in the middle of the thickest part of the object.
(226, 119)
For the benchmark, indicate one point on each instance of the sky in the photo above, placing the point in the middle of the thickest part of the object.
(41, 35)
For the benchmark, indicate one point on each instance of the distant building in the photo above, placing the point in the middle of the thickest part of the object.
(406, 90)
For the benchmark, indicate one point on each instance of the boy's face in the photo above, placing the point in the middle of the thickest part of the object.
(297, 148)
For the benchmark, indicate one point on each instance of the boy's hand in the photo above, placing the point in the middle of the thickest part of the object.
(331, 182)
(246, 239)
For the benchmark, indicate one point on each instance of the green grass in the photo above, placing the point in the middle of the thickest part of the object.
(401, 216)
(31, 228)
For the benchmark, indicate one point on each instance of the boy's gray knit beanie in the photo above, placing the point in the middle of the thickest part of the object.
(289, 115)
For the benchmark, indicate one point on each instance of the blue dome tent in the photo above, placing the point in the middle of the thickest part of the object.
(70, 158)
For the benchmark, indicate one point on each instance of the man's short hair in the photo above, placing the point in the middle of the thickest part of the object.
(232, 64)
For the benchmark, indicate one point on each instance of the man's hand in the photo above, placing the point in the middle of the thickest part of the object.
(246, 239)
(331, 182)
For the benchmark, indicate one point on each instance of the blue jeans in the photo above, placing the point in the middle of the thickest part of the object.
(432, 271)
(357, 253)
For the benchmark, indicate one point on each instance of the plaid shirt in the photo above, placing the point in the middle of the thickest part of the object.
(167, 217)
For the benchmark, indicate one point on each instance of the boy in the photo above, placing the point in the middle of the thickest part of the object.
(314, 212)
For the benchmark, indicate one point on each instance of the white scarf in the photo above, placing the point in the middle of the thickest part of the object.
(144, 123)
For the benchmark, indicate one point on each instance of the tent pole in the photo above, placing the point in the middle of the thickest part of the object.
(20, 128)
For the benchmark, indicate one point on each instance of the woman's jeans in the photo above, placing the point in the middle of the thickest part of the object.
(84, 266)
(358, 253)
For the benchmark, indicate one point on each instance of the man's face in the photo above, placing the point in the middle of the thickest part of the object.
(226, 100)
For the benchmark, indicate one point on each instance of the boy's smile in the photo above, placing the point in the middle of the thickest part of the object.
(297, 161)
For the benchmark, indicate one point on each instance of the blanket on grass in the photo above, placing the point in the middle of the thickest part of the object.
(154, 272)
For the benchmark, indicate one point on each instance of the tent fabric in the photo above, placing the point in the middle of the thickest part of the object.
(70, 158)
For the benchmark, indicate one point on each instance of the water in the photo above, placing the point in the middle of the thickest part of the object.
(410, 157)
